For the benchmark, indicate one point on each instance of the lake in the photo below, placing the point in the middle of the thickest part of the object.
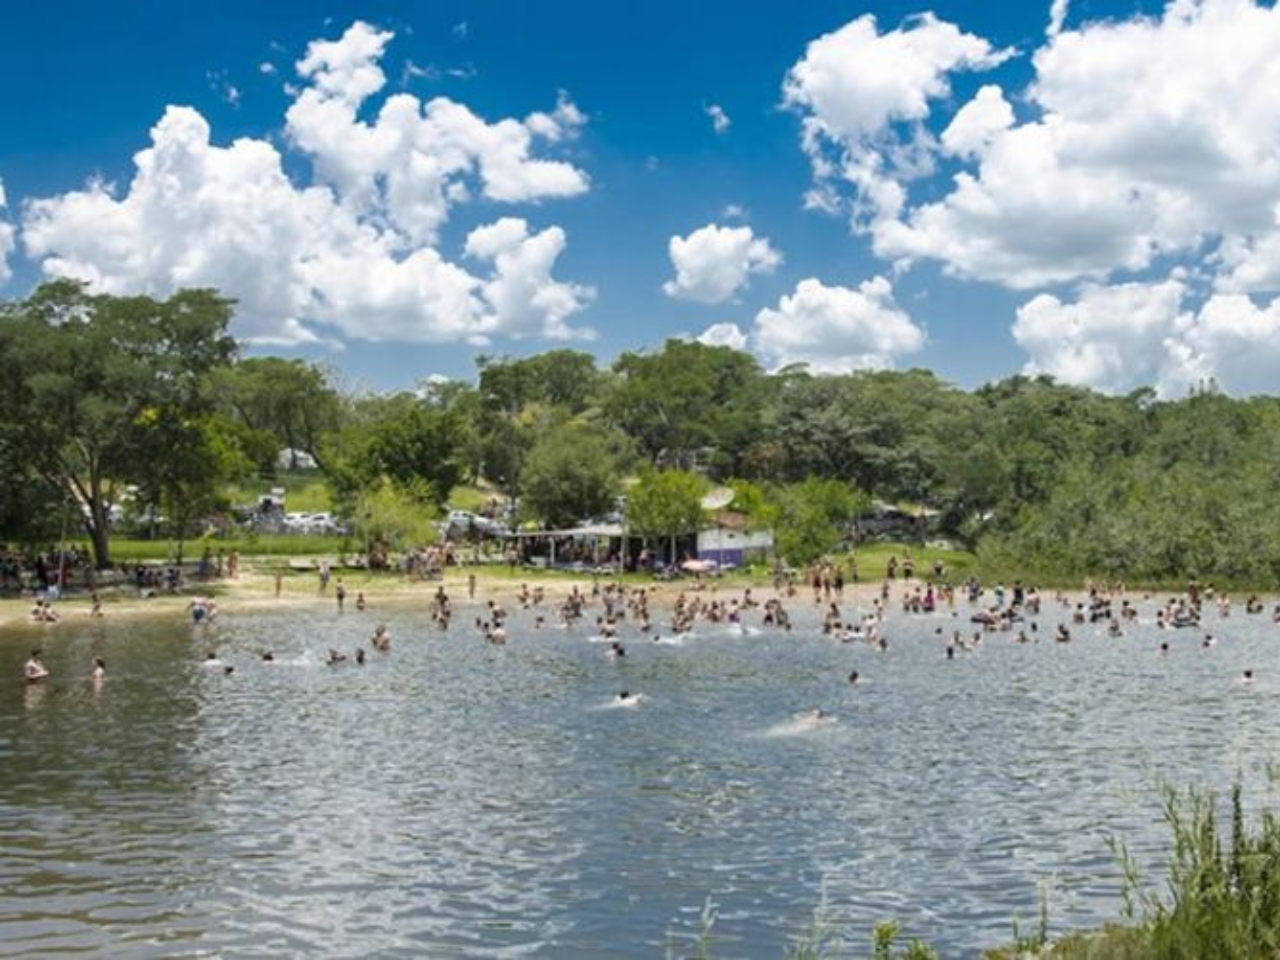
(452, 798)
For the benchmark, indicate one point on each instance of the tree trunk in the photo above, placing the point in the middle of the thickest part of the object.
(99, 537)
(98, 525)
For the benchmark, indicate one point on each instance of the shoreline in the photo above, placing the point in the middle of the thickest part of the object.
(254, 592)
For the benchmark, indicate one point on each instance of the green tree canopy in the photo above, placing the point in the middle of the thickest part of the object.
(96, 380)
(572, 473)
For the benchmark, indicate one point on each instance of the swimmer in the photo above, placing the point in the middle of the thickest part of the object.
(1164, 648)
(228, 670)
(99, 669)
(34, 670)
(360, 656)
(211, 660)
(381, 638)
(814, 718)
(335, 658)
(853, 677)
(1248, 677)
(268, 657)
(628, 699)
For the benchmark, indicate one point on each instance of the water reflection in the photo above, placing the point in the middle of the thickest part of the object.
(454, 798)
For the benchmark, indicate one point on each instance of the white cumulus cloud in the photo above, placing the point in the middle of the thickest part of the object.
(837, 329)
(1116, 338)
(723, 335)
(1057, 17)
(523, 298)
(7, 240)
(1145, 137)
(1110, 338)
(865, 96)
(415, 161)
(978, 123)
(1232, 341)
(355, 249)
(713, 262)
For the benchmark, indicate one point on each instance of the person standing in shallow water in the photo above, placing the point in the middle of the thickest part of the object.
(340, 591)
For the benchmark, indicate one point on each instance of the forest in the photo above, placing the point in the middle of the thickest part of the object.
(105, 394)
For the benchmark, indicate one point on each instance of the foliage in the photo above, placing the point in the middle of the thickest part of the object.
(397, 515)
(1045, 481)
(688, 404)
(665, 503)
(884, 940)
(290, 401)
(572, 473)
(399, 438)
(812, 516)
(99, 386)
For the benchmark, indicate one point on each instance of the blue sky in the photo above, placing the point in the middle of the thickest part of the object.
(1039, 272)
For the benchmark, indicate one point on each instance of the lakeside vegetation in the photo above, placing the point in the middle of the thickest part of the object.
(1220, 899)
(147, 403)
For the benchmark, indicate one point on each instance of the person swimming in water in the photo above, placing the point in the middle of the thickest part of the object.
(99, 670)
(853, 677)
(34, 670)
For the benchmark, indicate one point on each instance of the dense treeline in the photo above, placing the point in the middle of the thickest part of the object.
(106, 394)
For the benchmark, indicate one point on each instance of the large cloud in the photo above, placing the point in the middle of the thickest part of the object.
(1147, 136)
(713, 262)
(415, 161)
(1232, 341)
(1115, 338)
(1139, 143)
(865, 96)
(355, 249)
(6, 240)
(1111, 338)
(837, 329)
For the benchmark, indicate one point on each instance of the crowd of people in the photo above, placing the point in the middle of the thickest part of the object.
(631, 612)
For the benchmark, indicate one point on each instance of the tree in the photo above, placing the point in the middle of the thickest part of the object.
(395, 515)
(90, 374)
(398, 438)
(812, 517)
(290, 399)
(666, 503)
(572, 473)
(688, 404)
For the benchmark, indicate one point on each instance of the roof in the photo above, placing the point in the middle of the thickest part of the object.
(593, 530)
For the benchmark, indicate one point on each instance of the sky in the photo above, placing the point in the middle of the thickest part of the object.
(1089, 190)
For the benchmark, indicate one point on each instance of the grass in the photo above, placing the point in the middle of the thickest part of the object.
(282, 545)
(304, 492)
(472, 499)
(1222, 900)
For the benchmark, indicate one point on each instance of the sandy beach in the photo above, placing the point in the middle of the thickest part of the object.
(254, 591)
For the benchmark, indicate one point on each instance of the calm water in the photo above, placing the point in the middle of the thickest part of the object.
(456, 799)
